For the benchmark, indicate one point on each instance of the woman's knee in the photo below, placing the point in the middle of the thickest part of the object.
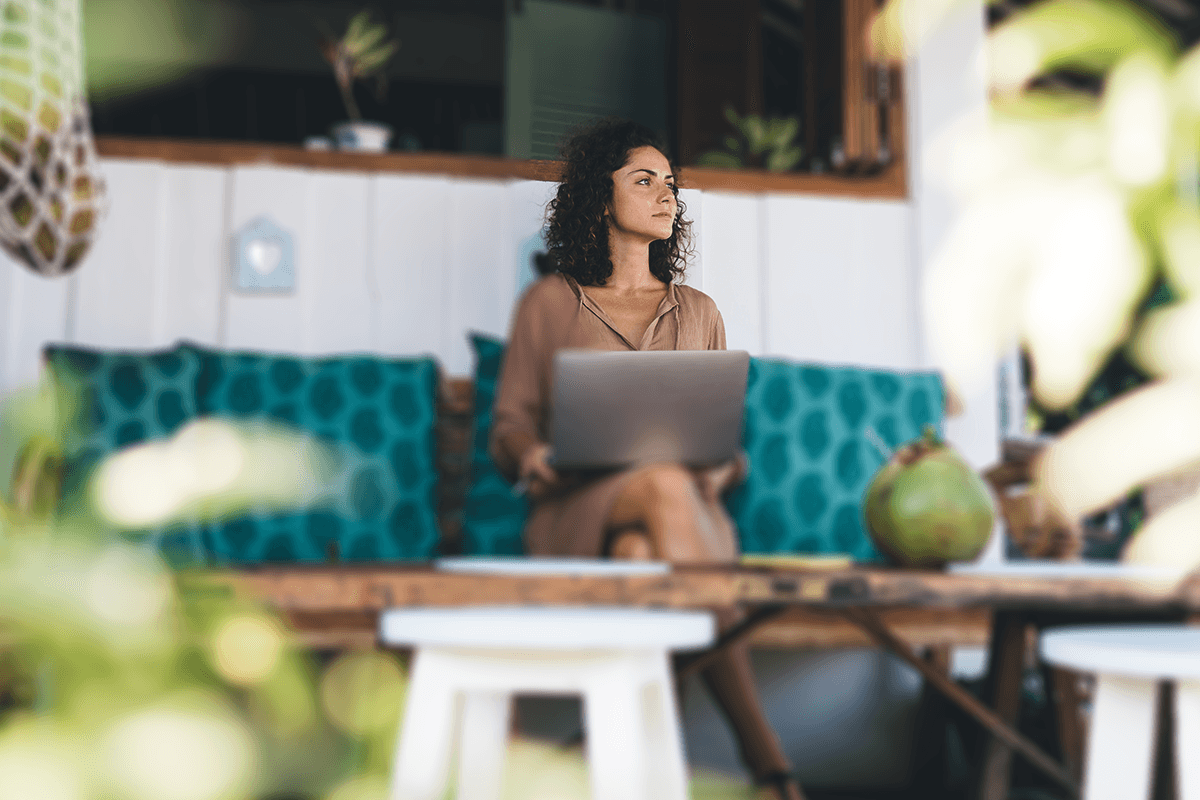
(667, 484)
(631, 545)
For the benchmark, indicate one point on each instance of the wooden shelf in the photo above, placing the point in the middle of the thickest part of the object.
(889, 184)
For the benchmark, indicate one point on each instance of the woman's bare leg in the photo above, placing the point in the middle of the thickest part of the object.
(682, 525)
(665, 502)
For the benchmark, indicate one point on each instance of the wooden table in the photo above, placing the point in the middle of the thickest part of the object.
(865, 597)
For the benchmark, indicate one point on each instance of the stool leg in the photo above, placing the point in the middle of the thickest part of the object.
(664, 750)
(1121, 741)
(1187, 739)
(616, 734)
(422, 761)
(484, 745)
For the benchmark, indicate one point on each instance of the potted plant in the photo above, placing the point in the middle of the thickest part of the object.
(759, 144)
(363, 51)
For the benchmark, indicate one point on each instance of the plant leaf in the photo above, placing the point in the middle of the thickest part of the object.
(370, 62)
(368, 39)
(786, 129)
(357, 24)
(784, 160)
(756, 134)
(717, 158)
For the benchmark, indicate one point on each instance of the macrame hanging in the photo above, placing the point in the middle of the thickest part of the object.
(51, 190)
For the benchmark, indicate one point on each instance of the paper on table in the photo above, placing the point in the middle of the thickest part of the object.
(796, 561)
(550, 566)
(1066, 569)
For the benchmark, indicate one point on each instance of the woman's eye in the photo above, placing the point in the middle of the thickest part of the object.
(674, 189)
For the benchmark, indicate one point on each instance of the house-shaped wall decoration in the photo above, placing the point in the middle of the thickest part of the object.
(263, 258)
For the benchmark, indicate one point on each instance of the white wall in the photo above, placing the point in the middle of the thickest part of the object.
(411, 263)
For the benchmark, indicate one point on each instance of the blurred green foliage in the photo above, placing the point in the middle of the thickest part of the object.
(132, 46)
(757, 143)
(122, 679)
(1077, 237)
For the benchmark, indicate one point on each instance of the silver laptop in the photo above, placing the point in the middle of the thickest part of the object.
(623, 408)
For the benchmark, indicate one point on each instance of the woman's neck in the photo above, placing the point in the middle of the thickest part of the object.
(631, 264)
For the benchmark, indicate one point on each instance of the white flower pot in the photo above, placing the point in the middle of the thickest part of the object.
(363, 136)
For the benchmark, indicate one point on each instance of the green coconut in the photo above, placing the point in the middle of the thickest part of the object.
(926, 506)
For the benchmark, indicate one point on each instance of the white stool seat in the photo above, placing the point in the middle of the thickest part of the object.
(1129, 661)
(1162, 652)
(476, 658)
(524, 628)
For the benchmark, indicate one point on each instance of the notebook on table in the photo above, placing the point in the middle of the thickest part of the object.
(624, 408)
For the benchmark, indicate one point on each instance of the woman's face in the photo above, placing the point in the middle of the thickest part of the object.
(643, 203)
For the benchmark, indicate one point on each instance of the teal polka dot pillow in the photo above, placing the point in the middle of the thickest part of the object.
(810, 457)
(377, 416)
(493, 517)
(125, 398)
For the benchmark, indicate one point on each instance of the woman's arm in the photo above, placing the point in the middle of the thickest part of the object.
(716, 337)
(520, 403)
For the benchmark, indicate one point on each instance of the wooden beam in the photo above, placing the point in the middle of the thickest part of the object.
(870, 623)
(802, 628)
(889, 184)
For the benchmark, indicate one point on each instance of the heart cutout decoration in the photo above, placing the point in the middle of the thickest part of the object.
(264, 255)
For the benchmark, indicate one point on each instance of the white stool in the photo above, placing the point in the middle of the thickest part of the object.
(616, 658)
(1129, 661)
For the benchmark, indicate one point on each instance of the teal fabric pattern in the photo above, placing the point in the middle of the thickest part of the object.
(376, 414)
(493, 517)
(125, 398)
(810, 459)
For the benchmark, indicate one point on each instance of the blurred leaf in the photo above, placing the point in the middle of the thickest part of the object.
(784, 160)
(716, 158)
(357, 26)
(784, 130)
(371, 61)
(367, 39)
(1090, 36)
(132, 46)
(756, 134)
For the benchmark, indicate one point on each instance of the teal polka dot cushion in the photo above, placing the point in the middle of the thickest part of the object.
(376, 414)
(125, 398)
(493, 516)
(810, 457)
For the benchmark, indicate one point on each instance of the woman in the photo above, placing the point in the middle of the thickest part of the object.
(619, 239)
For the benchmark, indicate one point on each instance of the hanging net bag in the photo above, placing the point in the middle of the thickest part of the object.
(51, 190)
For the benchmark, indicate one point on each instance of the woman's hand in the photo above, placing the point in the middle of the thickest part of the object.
(715, 481)
(536, 471)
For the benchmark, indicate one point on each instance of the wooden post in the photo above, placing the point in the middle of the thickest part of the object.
(1006, 667)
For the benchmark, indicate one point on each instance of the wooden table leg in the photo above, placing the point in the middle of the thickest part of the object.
(1065, 694)
(692, 663)
(1001, 729)
(1006, 668)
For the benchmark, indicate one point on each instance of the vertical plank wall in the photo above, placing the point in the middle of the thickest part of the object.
(404, 264)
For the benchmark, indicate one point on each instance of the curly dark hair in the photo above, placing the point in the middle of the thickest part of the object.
(578, 232)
